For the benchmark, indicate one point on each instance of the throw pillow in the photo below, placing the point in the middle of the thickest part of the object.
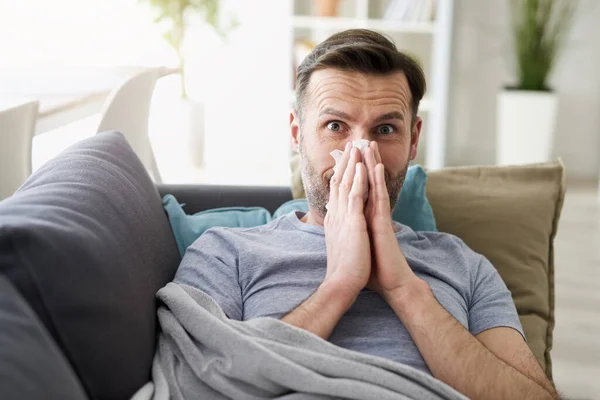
(510, 215)
(289, 206)
(87, 244)
(188, 228)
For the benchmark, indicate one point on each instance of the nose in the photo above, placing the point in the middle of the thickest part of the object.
(359, 134)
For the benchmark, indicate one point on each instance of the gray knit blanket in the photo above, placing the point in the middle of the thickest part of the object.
(202, 354)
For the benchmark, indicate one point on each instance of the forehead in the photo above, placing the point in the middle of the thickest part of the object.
(331, 85)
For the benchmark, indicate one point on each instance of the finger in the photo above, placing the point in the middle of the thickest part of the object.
(340, 166)
(370, 163)
(346, 185)
(376, 151)
(336, 179)
(356, 199)
(381, 194)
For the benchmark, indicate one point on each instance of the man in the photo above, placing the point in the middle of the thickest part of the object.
(345, 271)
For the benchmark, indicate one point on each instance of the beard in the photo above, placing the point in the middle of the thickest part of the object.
(316, 186)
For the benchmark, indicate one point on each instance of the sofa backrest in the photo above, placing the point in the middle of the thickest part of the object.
(205, 197)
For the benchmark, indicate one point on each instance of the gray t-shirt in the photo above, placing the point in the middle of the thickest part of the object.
(267, 271)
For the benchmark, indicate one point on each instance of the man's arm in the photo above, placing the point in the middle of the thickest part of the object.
(452, 354)
(509, 346)
(458, 358)
(322, 311)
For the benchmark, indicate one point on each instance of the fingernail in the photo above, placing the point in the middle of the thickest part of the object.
(348, 145)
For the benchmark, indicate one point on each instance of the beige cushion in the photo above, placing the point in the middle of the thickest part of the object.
(510, 215)
(297, 187)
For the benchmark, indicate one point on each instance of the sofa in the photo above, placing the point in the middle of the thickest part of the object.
(85, 244)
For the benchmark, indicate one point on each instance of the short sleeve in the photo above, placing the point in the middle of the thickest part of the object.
(210, 265)
(491, 303)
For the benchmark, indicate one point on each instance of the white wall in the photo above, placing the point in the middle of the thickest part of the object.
(245, 84)
(482, 65)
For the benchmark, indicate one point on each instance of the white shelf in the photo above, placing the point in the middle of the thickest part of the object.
(339, 23)
(399, 26)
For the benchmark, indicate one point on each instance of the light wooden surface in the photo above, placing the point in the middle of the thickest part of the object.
(576, 352)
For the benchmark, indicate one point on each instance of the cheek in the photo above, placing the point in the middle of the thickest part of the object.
(320, 160)
(394, 158)
(320, 157)
(318, 148)
(325, 163)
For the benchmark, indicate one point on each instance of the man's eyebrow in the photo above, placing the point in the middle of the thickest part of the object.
(390, 116)
(335, 113)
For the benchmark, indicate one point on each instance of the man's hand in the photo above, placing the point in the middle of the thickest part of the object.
(346, 233)
(391, 275)
(348, 250)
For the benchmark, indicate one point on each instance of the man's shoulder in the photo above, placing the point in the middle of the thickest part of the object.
(437, 239)
(434, 246)
(234, 234)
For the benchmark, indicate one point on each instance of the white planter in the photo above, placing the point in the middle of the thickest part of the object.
(525, 126)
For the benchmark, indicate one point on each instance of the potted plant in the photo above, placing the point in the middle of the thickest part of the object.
(174, 15)
(527, 111)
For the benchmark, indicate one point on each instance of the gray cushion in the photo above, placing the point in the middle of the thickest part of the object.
(204, 197)
(87, 244)
(31, 365)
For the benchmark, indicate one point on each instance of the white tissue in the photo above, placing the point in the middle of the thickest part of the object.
(362, 145)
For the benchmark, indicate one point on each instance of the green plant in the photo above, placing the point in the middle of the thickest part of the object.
(540, 29)
(174, 14)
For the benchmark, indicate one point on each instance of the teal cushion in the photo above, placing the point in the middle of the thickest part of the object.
(413, 208)
(289, 206)
(188, 228)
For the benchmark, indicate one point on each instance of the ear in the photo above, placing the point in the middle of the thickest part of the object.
(295, 129)
(415, 134)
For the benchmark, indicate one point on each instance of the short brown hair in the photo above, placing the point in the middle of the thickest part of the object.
(364, 51)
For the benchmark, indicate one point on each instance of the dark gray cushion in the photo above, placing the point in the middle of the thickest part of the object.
(204, 197)
(87, 244)
(31, 365)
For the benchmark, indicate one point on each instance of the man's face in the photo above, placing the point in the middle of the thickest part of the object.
(343, 106)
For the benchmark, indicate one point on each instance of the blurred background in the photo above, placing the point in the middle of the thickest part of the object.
(206, 87)
(239, 59)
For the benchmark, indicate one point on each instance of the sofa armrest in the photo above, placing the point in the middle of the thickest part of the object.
(203, 197)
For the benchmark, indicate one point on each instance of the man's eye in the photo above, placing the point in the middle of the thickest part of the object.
(385, 129)
(334, 126)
